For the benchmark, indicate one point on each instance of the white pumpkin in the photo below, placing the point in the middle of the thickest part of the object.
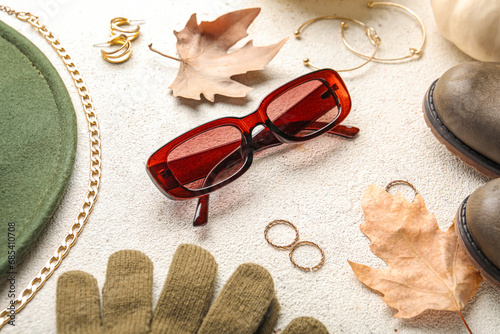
(472, 25)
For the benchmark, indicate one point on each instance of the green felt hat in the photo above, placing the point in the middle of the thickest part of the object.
(38, 143)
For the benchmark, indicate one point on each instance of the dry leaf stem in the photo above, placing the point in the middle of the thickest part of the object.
(465, 322)
(161, 53)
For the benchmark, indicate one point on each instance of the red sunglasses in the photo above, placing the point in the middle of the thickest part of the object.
(216, 153)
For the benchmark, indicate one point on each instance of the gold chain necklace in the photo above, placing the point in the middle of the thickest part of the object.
(95, 170)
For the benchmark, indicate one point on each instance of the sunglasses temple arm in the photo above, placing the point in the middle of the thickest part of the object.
(345, 131)
(265, 138)
(201, 213)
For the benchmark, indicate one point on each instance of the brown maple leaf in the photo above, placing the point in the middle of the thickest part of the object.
(206, 66)
(426, 268)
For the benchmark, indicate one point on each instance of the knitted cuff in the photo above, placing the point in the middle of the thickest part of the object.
(128, 293)
(243, 302)
(187, 292)
(305, 325)
(77, 304)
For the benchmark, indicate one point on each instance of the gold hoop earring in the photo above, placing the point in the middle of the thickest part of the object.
(116, 29)
(119, 55)
(413, 51)
(369, 31)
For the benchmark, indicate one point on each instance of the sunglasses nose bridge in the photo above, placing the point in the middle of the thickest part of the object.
(251, 121)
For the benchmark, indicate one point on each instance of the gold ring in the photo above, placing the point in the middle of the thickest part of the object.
(316, 267)
(282, 222)
(403, 182)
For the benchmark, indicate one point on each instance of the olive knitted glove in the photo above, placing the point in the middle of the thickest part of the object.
(305, 325)
(246, 304)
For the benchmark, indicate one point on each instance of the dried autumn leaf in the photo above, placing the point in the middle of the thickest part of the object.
(206, 66)
(426, 268)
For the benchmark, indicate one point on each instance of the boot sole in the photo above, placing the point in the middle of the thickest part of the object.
(474, 254)
(470, 157)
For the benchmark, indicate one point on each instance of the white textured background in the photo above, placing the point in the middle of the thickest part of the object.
(317, 185)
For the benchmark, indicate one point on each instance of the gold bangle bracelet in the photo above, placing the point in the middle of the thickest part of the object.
(413, 51)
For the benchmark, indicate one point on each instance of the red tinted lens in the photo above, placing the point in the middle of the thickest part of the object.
(208, 158)
(304, 109)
